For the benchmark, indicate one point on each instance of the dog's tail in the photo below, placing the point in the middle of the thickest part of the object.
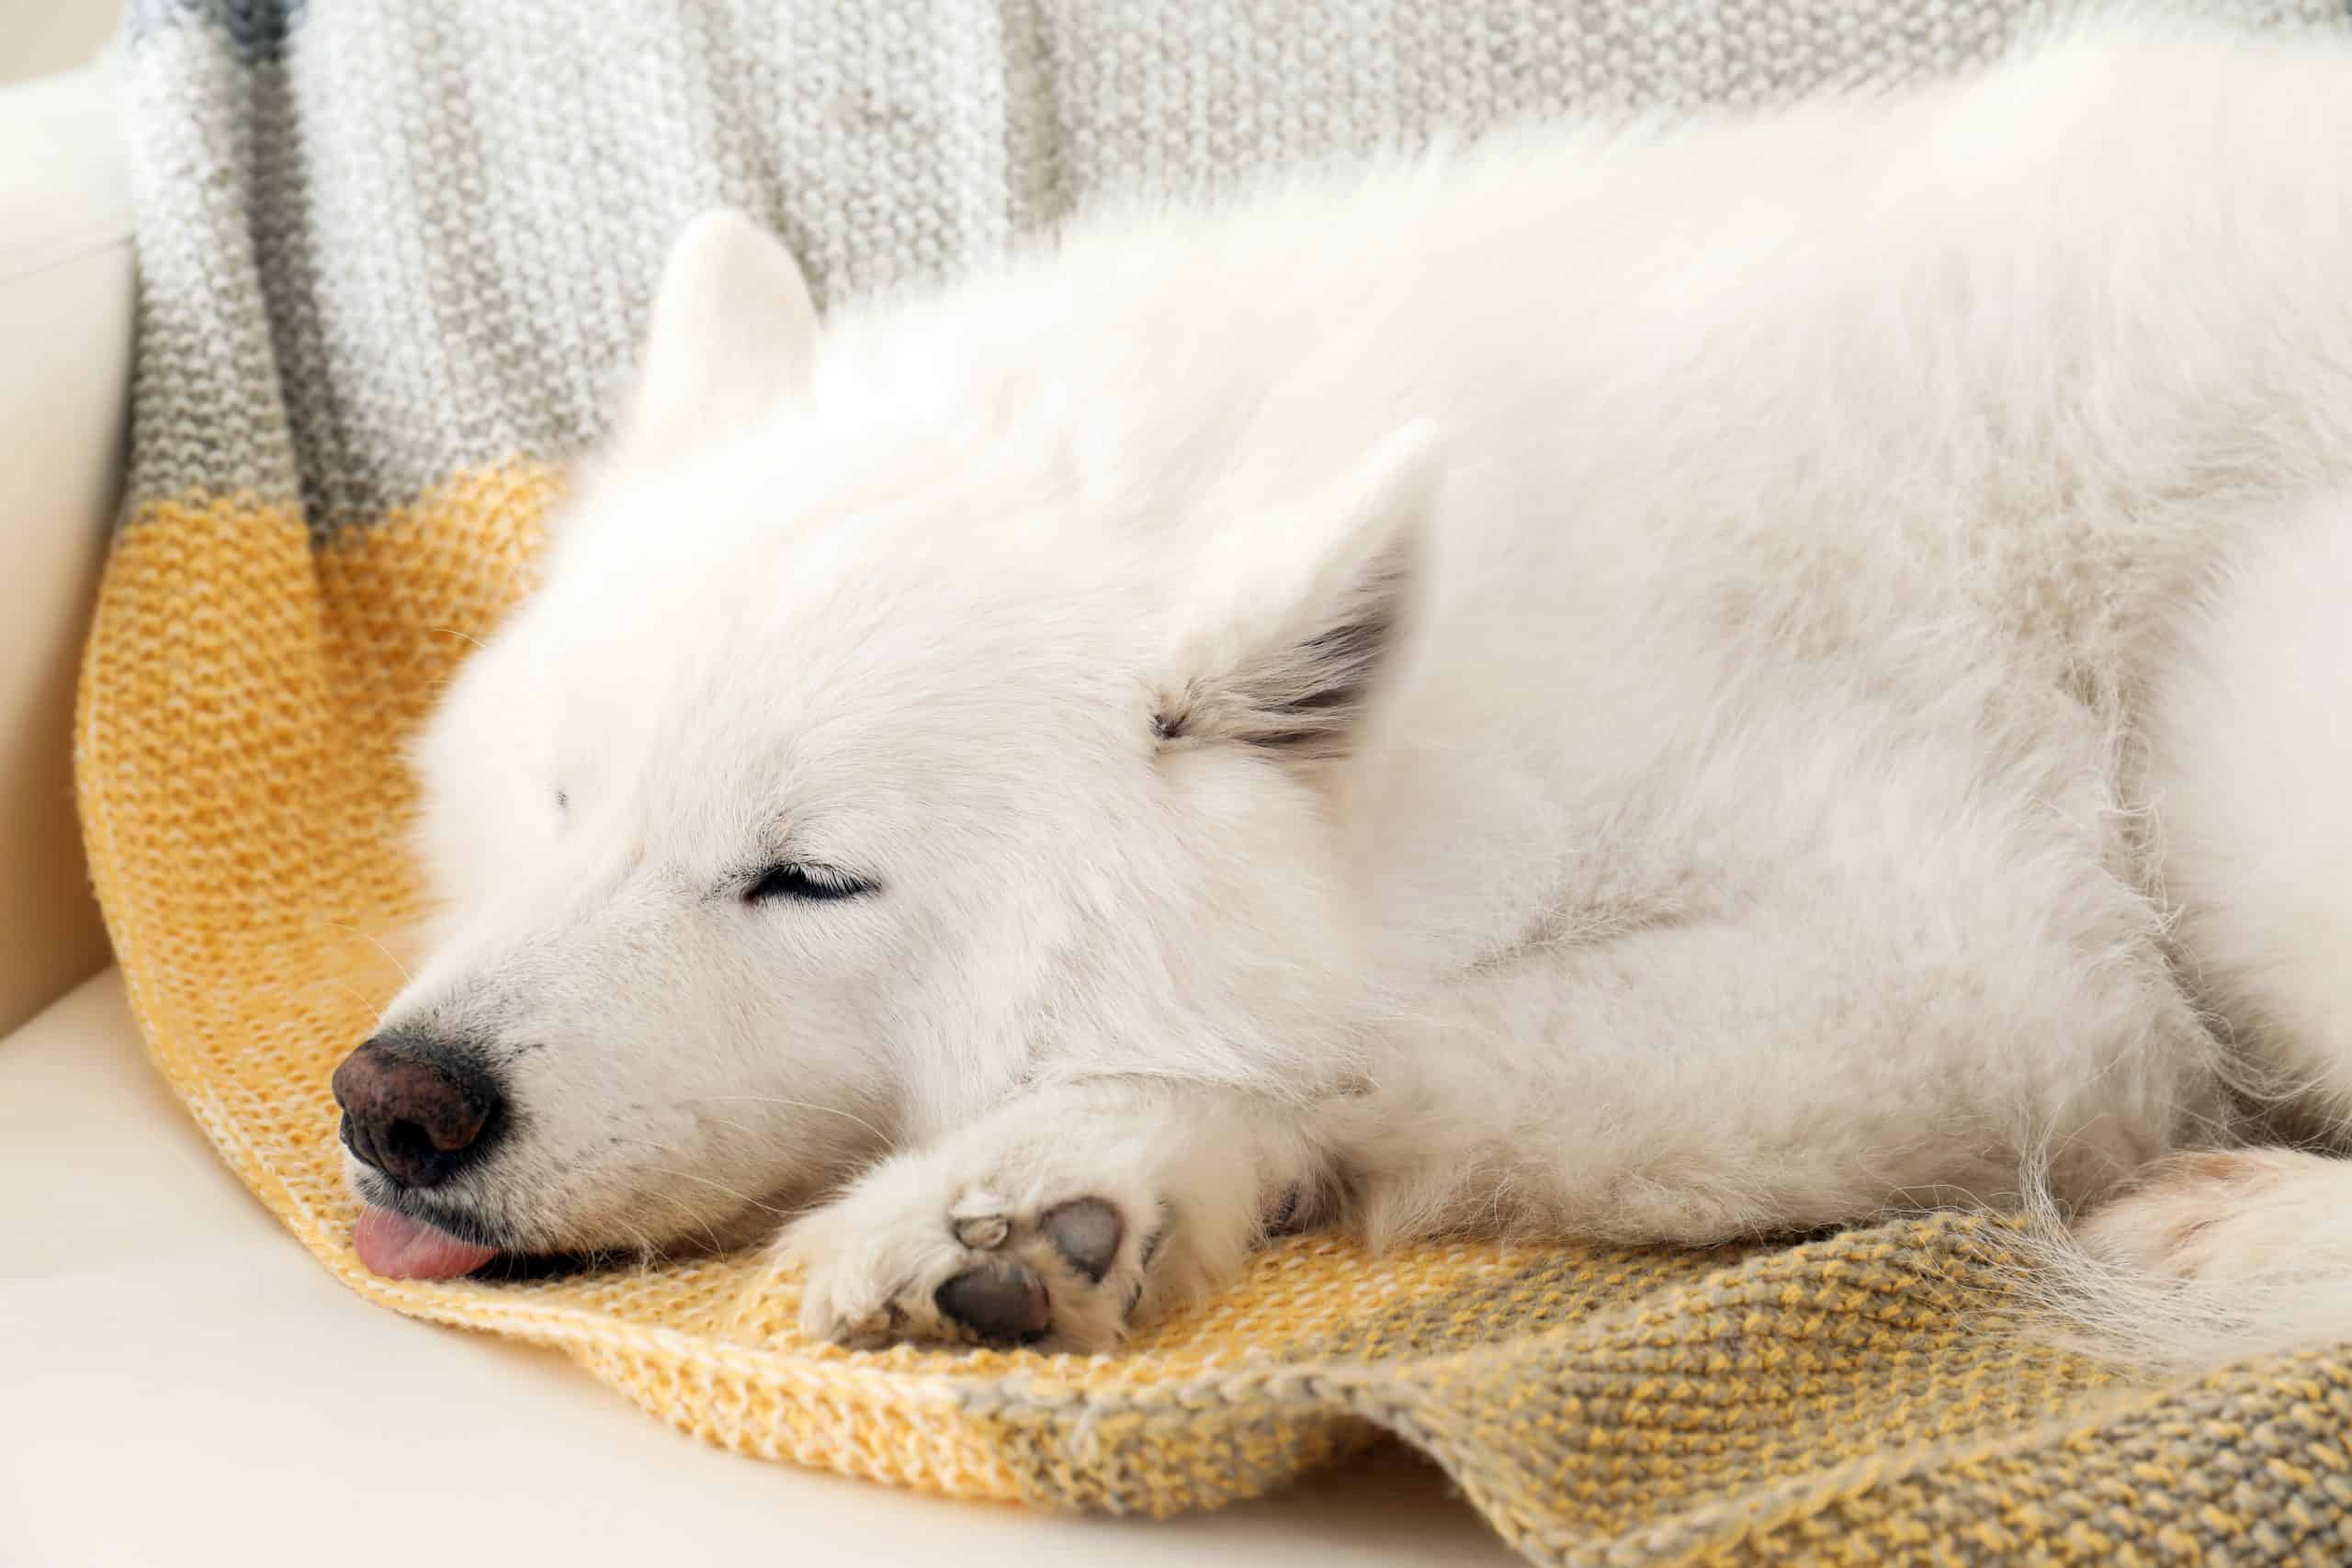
(2212, 1257)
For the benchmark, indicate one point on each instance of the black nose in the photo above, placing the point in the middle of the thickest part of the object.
(415, 1107)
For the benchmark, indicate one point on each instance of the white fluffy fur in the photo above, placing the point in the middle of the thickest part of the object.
(1659, 683)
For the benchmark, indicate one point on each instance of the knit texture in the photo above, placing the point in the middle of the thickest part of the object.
(393, 258)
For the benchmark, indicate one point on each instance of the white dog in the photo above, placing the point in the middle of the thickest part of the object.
(1655, 685)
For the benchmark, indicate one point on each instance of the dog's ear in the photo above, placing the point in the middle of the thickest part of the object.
(732, 332)
(1305, 612)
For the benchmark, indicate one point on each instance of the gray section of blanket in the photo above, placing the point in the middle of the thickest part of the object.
(381, 240)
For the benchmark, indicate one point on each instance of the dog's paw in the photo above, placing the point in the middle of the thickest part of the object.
(973, 1267)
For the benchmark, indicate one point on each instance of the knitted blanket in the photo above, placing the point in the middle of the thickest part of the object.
(394, 254)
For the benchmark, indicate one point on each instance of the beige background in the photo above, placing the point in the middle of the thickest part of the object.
(38, 37)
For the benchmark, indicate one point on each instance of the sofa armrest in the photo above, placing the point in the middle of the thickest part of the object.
(65, 316)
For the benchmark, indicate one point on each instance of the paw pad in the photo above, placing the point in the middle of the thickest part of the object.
(1086, 1231)
(1002, 1301)
(985, 1233)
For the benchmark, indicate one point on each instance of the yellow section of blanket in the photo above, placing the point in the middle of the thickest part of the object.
(245, 698)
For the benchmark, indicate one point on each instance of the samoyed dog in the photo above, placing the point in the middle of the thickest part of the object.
(1638, 681)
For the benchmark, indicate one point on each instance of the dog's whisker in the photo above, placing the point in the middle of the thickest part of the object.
(347, 989)
(708, 1229)
(735, 1194)
(390, 957)
(647, 1249)
(779, 1100)
(729, 1122)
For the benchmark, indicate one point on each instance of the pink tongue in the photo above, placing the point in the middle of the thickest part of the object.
(401, 1248)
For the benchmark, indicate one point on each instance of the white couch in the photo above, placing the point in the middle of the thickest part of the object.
(178, 1384)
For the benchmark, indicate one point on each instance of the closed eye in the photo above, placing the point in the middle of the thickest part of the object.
(798, 879)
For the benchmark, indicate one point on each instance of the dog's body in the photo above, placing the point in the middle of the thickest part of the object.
(1662, 686)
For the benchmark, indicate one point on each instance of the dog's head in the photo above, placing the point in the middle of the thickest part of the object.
(876, 741)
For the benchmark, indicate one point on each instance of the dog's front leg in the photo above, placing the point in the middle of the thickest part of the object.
(1055, 1220)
